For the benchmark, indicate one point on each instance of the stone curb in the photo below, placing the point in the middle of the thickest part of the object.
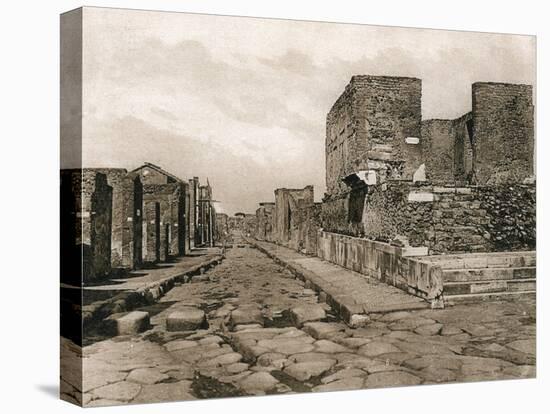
(127, 301)
(350, 311)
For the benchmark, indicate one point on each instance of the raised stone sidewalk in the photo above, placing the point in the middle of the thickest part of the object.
(352, 295)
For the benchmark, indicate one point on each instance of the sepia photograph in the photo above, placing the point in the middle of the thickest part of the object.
(261, 206)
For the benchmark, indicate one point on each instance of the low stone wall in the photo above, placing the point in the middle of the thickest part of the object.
(394, 265)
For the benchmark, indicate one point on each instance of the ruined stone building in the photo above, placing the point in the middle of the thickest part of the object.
(86, 200)
(296, 219)
(222, 228)
(450, 185)
(126, 218)
(164, 224)
(264, 221)
(206, 216)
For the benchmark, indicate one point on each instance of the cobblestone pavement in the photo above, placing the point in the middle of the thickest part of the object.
(252, 345)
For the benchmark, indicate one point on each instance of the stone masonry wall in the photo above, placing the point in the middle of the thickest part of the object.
(287, 216)
(371, 121)
(391, 211)
(86, 209)
(453, 219)
(503, 122)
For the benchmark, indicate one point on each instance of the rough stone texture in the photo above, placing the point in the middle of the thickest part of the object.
(132, 323)
(503, 118)
(86, 204)
(126, 218)
(307, 313)
(185, 319)
(370, 121)
(303, 371)
(296, 219)
(264, 221)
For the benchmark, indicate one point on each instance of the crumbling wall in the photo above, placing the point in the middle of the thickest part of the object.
(289, 215)
(399, 208)
(372, 120)
(511, 216)
(264, 221)
(86, 209)
(503, 126)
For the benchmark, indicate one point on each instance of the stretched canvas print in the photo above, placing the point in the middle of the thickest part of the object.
(259, 206)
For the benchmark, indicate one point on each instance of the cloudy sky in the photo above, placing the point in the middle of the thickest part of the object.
(243, 101)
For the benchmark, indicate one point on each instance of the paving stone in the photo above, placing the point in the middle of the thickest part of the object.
(185, 319)
(132, 323)
(176, 391)
(478, 365)
(351, 383)
(238, 328)
(394, 316)
(146, 376)
(303, 371)
(428, 330)
(181, 372)
(236, 368)
(521, 371)
(353, 342)
(258, 382)
(222, 359)
(98, 378)
(344, 373)
(323, 330)
(234, 378)
(307, 313)
(246, 315)
(102, 402)
(422, 348)
(369, 332)
(288, 346)
(437, 375)
(358, 320)
(391, 379)
(377, 348)
(274, 359)
(434, 361)
(450, 330)
(311, 357)
(527, 346)
(410, 324)
(119, 391)
(210, 340)
(329, 347)
(179, 344)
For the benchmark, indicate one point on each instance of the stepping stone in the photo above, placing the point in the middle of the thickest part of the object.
(246, 315)
(186, 319)
(132, 323)
(307, 313)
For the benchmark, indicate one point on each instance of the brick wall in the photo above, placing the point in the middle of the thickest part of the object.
(371, 121)
(504, 132)
(447, 149)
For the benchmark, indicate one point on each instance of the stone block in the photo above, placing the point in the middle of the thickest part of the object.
(132, 323)
(186, 319)
(421, 197)
(307, 313)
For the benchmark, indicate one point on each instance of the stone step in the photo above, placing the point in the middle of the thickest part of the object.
(479, 297)
(489, 286)
(489, 273)
(482, 260)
